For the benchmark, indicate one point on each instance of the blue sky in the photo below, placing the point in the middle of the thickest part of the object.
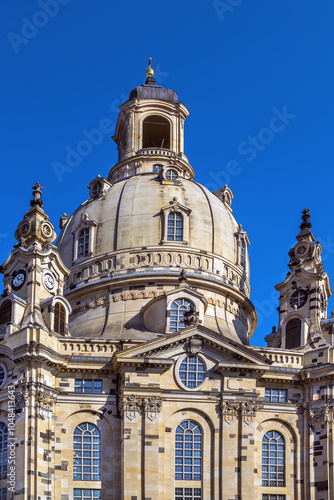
(257, 77)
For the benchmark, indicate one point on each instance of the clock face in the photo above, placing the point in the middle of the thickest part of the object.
(24, 228)
(301, 250)
(47, 230)
(18, 279)
(49, 281)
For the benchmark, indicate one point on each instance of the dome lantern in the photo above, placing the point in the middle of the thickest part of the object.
(150, 131)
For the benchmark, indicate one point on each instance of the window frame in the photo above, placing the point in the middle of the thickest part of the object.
(86, 454)
(178, 315)
(188, 460)
(184, 212)
(268, 457)
(62, 322)
(90, 226)
(6, 321)
(282, 393)
(4, 451)
(93, 381)
(178, 377)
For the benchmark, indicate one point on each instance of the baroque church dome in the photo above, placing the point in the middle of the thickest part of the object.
(150, 238)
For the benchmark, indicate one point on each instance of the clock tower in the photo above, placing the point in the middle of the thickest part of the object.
(33, 273)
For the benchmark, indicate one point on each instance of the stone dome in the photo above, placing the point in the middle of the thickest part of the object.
(149, 238)
(129, 216)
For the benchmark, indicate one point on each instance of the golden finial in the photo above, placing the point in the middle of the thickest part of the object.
(149, 72)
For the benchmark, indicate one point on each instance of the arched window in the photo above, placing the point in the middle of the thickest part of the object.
(177, 311)
(83, 243)
(242, 252)
(3, 450)
(188, 451)
(293, 333)
(156, 132)
(59, 318)
(6, 312)
(175, 227)
(273, 459)
(86, 453)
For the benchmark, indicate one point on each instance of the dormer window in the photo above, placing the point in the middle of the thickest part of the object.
(84, 237)
(175, 227)
(98, 187)
(177, 310)
(175, 223)
(171, 175)
(156, 132)
(83, 243)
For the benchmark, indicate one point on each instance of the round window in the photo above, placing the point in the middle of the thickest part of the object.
(192, 371)
(171, 175)
(298, 298)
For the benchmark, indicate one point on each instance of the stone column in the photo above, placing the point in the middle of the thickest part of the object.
(229, 450)
(130, 410)
(319, 445)
(247, 413)
(150, 476)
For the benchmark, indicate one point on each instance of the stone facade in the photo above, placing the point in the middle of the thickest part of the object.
(126, 369)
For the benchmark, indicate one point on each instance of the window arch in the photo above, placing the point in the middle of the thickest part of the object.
(293, 333)
(3, 450)
(273, 459)
(59, 320)
(177, 310)
(6, 312)
(174, 227)
(188, 451)
(156, 132)
(83, 243)
(86, 453)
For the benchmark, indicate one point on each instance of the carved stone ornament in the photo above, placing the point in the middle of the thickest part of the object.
(45, 400)
(194, 345)
(232, 409)
(248, 410)
(152, 406)
(191, 317)
(318, 417)
(129, 406)
(21, 399)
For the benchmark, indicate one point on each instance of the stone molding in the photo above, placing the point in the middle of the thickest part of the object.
(232, 410)
(130, 406)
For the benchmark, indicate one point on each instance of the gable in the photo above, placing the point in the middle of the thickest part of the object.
(227, 354)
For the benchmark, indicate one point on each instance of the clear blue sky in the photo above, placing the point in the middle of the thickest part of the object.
(239, 65)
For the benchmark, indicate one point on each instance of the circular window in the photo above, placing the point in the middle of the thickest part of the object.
(298, 298)
(191, 371)
(3, 374)
(171, 175)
